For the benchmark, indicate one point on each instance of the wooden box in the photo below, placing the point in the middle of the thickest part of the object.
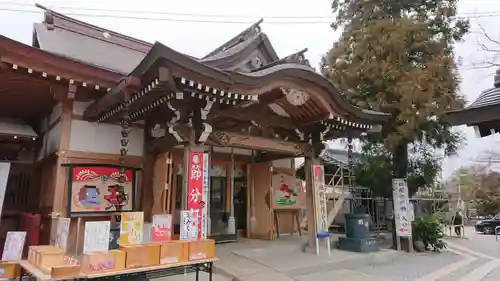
(10, 270)
(48, 257)
(174, 252)
(201, 249)
(103, 261)
(32, 252)
(65, 270)
(141, 255)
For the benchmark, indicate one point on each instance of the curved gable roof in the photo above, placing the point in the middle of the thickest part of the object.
(258, 82)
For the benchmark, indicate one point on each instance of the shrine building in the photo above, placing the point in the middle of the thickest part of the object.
(74, 124)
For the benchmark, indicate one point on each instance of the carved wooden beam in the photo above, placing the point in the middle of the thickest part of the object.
(164, 143)
(257, 115)
(257, 143)
(112, 97)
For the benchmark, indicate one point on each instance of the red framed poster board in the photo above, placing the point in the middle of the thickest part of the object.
(95, 189)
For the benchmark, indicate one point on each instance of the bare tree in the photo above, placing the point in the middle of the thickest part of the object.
(491, 47)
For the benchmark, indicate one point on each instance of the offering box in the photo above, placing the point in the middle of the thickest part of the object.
(141, 255)
(103, 261)
(201, 249)
(174, 252)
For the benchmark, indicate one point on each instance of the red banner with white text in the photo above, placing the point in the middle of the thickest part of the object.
(197, 193)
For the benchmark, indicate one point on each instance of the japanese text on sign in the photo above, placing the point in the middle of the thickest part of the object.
(197, 195)
(401, 207)
(189, 225)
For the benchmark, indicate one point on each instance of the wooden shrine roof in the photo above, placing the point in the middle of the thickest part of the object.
(483, 113)
(30, 78)
(244, 78)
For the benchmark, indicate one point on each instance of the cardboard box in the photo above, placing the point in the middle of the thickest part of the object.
(65, 271)
(201, 249)
(11, 270)
(174, 252)
(142, 255)
(103, 261)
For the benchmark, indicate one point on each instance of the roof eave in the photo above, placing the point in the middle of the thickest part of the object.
(471, 116)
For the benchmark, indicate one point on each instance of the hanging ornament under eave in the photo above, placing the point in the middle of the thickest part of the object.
(295, 97)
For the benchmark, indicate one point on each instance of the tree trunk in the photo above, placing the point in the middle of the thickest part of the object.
(399, 170)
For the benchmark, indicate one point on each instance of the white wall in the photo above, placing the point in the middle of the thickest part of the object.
(284, 163)
(51, 138)
(103, 138)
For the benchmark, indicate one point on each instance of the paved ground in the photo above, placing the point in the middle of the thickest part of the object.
(474, 259)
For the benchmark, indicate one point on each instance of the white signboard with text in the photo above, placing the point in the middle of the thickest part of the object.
(14, 245)
(402, 208)
(189, 225)
(96, 237)
(4, 176)
(61, 239)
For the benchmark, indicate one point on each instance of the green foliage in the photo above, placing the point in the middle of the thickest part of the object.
(397, 57)
(429, 230)
(373, 169)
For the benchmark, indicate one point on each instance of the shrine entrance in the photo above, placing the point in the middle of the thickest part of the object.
(243, 121)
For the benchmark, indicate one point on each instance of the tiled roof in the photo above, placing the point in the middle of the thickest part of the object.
(487, 98)
(87, 49)
(337, 157)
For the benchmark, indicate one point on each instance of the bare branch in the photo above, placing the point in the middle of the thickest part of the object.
(485, 34)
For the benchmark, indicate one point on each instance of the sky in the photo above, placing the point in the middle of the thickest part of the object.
(195, 36)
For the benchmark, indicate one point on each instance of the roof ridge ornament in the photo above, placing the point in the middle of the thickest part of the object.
(496, 81)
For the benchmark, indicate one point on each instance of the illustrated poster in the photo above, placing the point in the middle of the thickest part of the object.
(288, 192)
(402, 211)
(61, 239)
(189, 225)
(14, 245)
(161, 230)
(96, 237)
(198, 176)
(131, 226)
(97, 189)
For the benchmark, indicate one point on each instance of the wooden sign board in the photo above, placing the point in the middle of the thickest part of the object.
(288, 192)
(14, 245)
(96, 237)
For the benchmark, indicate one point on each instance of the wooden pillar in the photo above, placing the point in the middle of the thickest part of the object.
(310, 201)
(61, 181)
(162, 182)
